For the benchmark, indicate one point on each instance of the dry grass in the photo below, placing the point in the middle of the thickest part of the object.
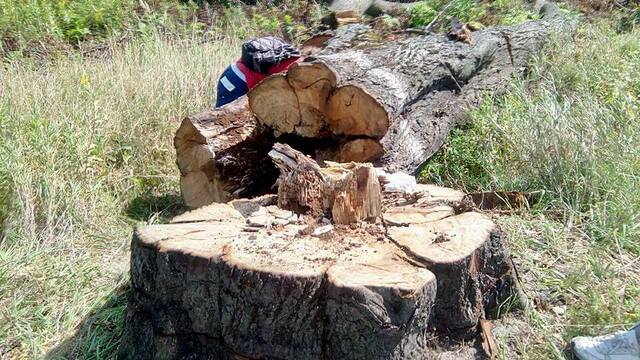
(570, 133)
(86, 152)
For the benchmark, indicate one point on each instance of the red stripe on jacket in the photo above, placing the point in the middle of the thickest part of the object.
(254, 77)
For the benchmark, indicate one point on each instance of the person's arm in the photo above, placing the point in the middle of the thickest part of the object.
(231, 85)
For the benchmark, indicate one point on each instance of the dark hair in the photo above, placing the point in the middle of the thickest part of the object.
(262, 53)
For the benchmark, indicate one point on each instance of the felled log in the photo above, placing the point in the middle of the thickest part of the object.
(222, 154)
(406, 93)
(356, 8)
(251, 280)
(362, 98)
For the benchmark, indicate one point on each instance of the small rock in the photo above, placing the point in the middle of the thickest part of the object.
(558, 310)
(260, 221)
(322, 230)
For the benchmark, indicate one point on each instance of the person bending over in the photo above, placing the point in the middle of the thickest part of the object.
(260, 58)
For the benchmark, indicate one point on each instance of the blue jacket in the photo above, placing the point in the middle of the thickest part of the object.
(231, 85)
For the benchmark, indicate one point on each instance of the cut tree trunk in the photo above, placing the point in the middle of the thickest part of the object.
(388, 100)
(357, 8)
(222, 154)
(252, 280)
(407, 93)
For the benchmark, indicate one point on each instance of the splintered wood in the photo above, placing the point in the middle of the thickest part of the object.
(322, 270)
(345, 193)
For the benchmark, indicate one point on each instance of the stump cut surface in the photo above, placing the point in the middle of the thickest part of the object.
(251, 279)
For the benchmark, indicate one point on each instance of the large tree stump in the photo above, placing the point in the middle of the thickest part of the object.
(327, 273)
(390, 101)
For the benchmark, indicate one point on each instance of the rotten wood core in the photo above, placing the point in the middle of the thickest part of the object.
(345, 193)
(269, 277)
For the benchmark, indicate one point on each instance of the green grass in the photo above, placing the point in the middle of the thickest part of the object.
(570, 132)
(87, 152)
(501, 12)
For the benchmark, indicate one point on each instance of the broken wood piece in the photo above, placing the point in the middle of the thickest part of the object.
(221, 155)
(346, 193)
(489, 344)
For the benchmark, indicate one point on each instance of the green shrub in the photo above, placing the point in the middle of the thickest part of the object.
(71, 21)
(466, 10)
(422, 14)
(503, 12)
(571, 131)
(629, 19)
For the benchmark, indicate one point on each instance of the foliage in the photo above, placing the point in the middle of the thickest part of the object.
(503, 12)
(86, 152)
(629, 18)
(422, 14)
(45, 25)
(62, 19)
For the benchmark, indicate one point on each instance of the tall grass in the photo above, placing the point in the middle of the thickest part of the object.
(86, 151)
(571, 131)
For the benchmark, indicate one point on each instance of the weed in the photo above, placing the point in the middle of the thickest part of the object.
(570, 132)
(503, 12)
(86, 152)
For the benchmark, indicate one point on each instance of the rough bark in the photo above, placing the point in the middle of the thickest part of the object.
(251, 280)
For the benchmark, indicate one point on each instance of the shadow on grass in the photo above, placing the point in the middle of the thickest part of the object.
(98, 335)
(155, 209)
